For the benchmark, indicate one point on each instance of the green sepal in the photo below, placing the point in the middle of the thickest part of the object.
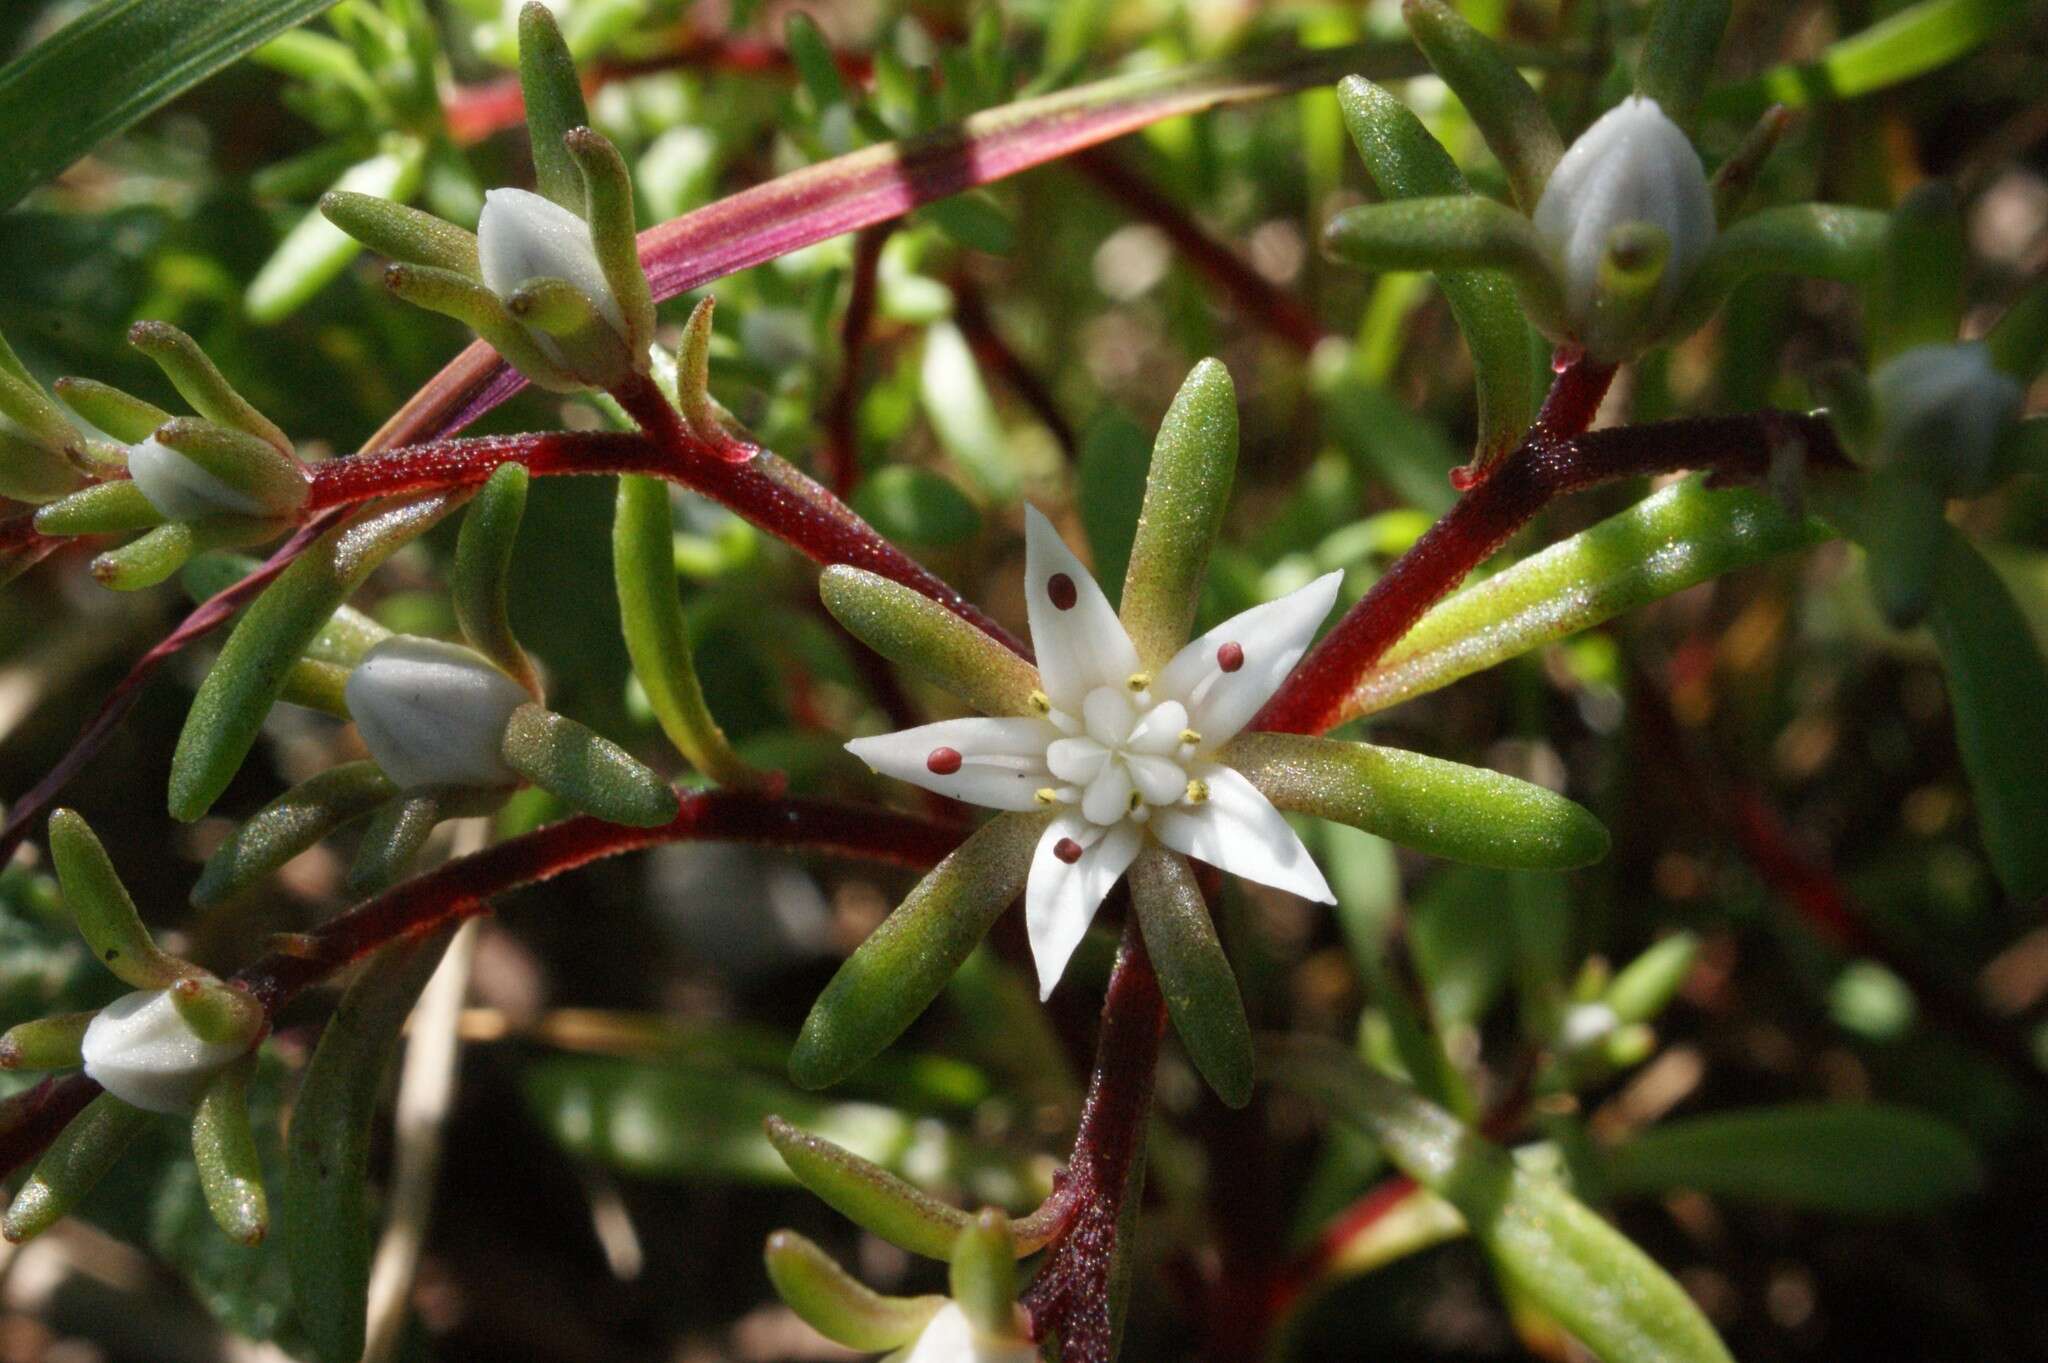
(121, 415)
(1678, 55)
(554, 104)
(658, 637)
(483, 568)
(50, 1043)
(217, 1012)
(80, 1156)
(1625, 313)
(1917, 297)
(582, 338)
(1447, 809)
(247, 678)
(831, 1302)
(476, 307)
(882, 987)
(402, 233)
(1996, 681)
(287, 826)
(1508, 114)
(197, 379)
(326, 1198)
(1194, 975)
(32, 472)
(608, 209)
(240, 460)
(101, 509)
(398, 829)
(1823, 241)
(1645, 985)
(914, 631)
(867, 1194)
(984, 1273)
(588, 770)
(1450, 232)
(1544, 1242)
(1186, 492)
(105, 915)
(224, 1149)
(1405, 162)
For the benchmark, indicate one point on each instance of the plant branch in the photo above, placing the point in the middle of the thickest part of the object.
(841, 450)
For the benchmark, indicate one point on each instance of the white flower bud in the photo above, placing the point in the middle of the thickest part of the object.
(433, 713)
(522, 236)
(140, 1050)
(1634, 165)
(1944, 407)
(181, 490)
(952, 1338)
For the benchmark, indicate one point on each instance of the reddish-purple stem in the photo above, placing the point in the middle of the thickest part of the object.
(996, 355)
(840, 452)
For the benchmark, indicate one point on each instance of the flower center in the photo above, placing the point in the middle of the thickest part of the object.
(1130, 756)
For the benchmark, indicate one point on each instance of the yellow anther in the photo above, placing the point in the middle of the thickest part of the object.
(1138, 681)
(1046, 795)
(1190, 737)
(1198, 791)
(1040, 703)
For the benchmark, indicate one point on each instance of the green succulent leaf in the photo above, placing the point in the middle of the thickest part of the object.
(585, 768)
(1508, 113)
(1822, 241)
(50, 1043)
(199, 381)
(79, 1158)
(105, 914)
(1917, 296)
(911, 629)
(402, 233)
(1910, 41)
(554, 104)
(1678, 54)
(831, 1302)
(1194, 975)
(317, 248)
(224, 1148)
(287, 826)
(483, 568)
(868, 1195)
(1649, 982)
(1186, 493)
(984, 1276)
(101, 509)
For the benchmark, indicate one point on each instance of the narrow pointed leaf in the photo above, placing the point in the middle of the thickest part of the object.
(1405, 162)
(1508, 113)
(1610, 1295)
(608, 208)
(554, 104)
(1996, 681)
(868, 1195)
(100, 905)
(287, 826)
(75, 1161)
(1186, 493)
(883, 986)
(199, 381)
(911, 629)
(1822, 241)
(224, 1148)
(483, 570)
(1444, 808)
(1678, 54)
(831, 1302)
(146, 560)
(586, 769)
(326, 1197)
(1194, 974)
(246, 679)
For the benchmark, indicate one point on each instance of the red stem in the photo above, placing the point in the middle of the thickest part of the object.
(995, 355)
(841, 450)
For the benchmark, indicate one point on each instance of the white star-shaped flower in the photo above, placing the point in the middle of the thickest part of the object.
(951, 1337)
(1121, 754)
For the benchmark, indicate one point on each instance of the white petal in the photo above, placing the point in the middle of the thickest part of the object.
(522, 236)
(141, 1050)
(1158, 733)
(1273, 637)
(1060, 898)
(1237, 830)
(181, 490)
(1108, 798)
(1109, 714)
(1082, 646)
(433, 713)
(1161, 782)
(1002, 761)
(1076, 761)
(952, 1338)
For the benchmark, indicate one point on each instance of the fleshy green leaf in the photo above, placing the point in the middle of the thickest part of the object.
(1678, 55)
(884, 985)
(836, 1306)
(586, 769)
(984, 1277)
(1194, 974)
(554, 104)
(1863, 1159)
(1507, 112)
(50, 1043)
(911, 629)
(1610, 1295)
(1822, 241)
(867, 1194)
(199, 381)
(1917, 297)
(105, 914)
(482, 574)
(326, 1201)
(1444, 808)
(1909, 42)
(1186, 493)
(224, 1147)
(316, 250)
(75, 1161)
(1642, 988)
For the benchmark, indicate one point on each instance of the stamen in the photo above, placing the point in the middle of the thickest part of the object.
(1198, 792)
(1040, 703)
(1230, 657)
(1060, 590)
(943, 761)
(1046, 795)
(1138, 681)
(1189, 738)
(1067, 850)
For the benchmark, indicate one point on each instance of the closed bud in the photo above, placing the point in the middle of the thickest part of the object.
(142, 1050)
(1940, 409)
(1630, 178)
(523, 237)
(434, 713)
(953, 1338)
(181, 490)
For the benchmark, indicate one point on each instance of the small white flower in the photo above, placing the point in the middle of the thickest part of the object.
(181, 490)
(952, 1338)
(523, 236)
(1634, 165)
(1945, 405)
(433, 713)
(141, 1050)
(1122, 756)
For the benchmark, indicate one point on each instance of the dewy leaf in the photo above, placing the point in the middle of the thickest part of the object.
(586, 769)
(1864, 1159)
(483, 568)
(884, 985)
(1609, 1294)
(116, 62)
(1194, 974)
(224, 1147)
(911, 629)
(1678, 54)
(1405, 162)
(326, 1202)
(867, 1194)
(103, 910)
(1671, 540)
(250, 673)
(1186, 492)
(76, 1160)
(835, 1305)
(1508, 113)
(1444, 808)
(1996, 681)
(554, 104)
(1823, 241)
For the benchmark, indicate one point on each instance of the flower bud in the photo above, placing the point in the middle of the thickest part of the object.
(523, 237)
(1632, 170)
(143, 1051)
(952, 1338)
(1941, 408)
(434, 713)
(181, 490)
